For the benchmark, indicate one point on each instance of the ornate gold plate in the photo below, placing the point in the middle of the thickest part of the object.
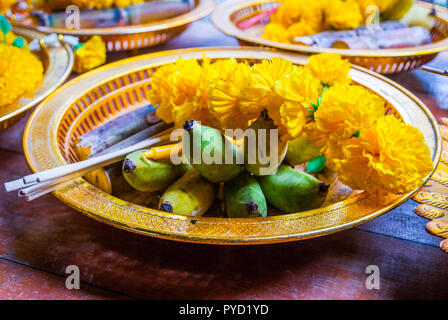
(434, 195)
(139, 36)
(386, 61)
(93, 98)
(57, 63)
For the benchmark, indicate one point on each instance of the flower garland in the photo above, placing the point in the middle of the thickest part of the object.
(368, 150)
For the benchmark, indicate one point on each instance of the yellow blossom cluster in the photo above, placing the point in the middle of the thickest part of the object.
(84, 4)
(229, 94)
(5, 5)
(368, 150)
(297, 18)
(21, 72)
(388, 156)
(89, 55)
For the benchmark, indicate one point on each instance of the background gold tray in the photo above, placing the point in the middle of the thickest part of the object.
(139, 36)
(386, 61)
(93, 98)
(57, 63)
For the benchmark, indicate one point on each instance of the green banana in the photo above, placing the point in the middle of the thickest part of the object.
(149, 175)
(191, 195)
(301, 150)
(293, 191)
(205, 149)
(244, 198)
(257, 147)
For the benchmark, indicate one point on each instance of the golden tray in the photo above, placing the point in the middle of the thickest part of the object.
(57, 63)
(138, 36)
(386, 61)
(91, 99)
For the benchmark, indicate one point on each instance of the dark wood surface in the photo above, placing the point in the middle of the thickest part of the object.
(38, 240)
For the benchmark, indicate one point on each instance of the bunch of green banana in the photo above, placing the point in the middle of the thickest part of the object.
(244, 198)
(210, 153)
(293, 191)
(149, 175)
(191, 195)
(263, 152)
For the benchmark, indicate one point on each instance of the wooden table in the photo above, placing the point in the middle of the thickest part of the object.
(38, 240)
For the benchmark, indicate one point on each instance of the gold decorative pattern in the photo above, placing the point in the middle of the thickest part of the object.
(58, 65)
(386, 61)
(93, 98)
(444, 245)
(434, 195)
(138, 36)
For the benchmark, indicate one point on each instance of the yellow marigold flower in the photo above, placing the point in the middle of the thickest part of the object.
(5, 5)
(180, 91)
(259, 92)
(344, 110)
(294, 18)
(174, 84)
(299, 90)
(294, 11)
(383, 5)
(343, 15)
(85, 4)
(10, 37)
(224, 96)
(275, 32)
(125, 3)
(288, 13)
(90, 55)
(300, 29)
(20, 73)
(390, 156)
(329, 68)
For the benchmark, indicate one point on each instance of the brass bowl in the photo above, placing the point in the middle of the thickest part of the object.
(57, 63)
(138, 36)
(386, 61)
(91, 99)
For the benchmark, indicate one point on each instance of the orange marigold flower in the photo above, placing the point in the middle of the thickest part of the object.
(259, 93)
(389, 156)
(299, 90)
(343, 111)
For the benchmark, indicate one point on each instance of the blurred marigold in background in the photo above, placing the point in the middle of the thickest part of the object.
(83, 4)
(21, 72)
(5, 5)
(296, 18)
(90, 55)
